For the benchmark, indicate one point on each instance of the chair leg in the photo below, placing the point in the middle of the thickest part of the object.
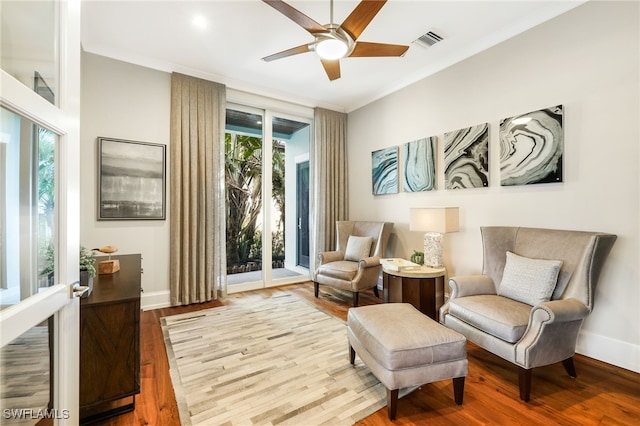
(569, 367)
(316, 288)
(376, 292)
(524, 380)
(352, 355)
(458, 389)
(392, 403)
(355, 299)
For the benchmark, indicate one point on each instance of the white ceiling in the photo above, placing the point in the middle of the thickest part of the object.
(161, 35)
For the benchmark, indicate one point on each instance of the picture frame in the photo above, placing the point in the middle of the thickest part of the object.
(532, 147)
(131, 180)
(384, 171)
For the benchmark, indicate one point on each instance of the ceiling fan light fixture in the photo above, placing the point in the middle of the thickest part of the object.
(331, 48)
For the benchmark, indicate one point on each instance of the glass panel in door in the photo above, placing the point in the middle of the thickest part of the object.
(243, 153)
(290, 147)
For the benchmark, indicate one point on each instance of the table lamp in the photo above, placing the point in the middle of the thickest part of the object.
(435, 222)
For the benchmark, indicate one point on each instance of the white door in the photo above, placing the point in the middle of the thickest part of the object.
(41, 91)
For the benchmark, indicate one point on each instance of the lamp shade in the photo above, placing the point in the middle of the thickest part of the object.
(438, 219)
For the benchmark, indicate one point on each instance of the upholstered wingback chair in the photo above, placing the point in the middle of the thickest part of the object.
(355, 264)
(535, 291)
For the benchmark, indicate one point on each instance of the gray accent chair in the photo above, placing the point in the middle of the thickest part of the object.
(529, 336)
(332, 269)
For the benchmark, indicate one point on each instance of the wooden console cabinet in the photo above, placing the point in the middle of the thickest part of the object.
(110, 342)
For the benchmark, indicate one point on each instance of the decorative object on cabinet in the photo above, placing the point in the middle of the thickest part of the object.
(419, 159)
(110, 343)
(131, 180)
(435, 222)
(111, 265)
(384, 171)
(531, 147)
(466, 157)
(417, 257)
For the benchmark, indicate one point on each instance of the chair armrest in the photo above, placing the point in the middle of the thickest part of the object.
(556, 311)
(552, 333)
(470, 285)
(329, 256)
(368, 262)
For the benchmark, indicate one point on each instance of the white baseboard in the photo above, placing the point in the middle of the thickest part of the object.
(612, 351)
(155, 300)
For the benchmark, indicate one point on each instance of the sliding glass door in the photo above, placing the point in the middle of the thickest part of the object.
(262, 242)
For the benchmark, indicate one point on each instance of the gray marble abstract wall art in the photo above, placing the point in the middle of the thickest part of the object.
(466, 157)
(419, 165)
(384, 171)
(531, 147)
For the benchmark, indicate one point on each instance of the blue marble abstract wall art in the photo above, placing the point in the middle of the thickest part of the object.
(466, 157)
(531, 147)
(419, 165)
(384, 171)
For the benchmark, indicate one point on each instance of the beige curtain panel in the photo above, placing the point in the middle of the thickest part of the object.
(329, 201)
(197, 214)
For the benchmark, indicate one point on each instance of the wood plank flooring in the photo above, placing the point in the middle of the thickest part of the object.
(601, 394)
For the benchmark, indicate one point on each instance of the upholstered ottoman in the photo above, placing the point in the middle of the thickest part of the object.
(403, 347)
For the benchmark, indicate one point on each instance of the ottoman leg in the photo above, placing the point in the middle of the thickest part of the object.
(392, 403)
(352, 355)
(458, 389)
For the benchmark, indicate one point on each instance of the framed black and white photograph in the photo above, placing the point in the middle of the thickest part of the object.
(131, 180)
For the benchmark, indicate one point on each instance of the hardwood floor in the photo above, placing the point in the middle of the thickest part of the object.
(601, 394)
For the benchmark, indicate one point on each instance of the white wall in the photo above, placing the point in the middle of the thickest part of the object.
(125, 101)
(586, 60)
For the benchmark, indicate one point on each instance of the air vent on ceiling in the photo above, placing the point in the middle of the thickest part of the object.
(428, 39)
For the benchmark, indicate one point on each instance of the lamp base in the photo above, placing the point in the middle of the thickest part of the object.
(433, 252)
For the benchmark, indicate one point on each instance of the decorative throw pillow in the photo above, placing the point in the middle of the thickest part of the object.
(527, 280)
(357, 248)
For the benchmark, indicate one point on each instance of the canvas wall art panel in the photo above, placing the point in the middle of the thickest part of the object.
(131, 180)
(531, 147)
(384, 171)
(466, 157)
(419, 165)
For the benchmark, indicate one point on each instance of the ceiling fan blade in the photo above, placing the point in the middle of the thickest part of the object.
(361, 16)
(296, 16)
(289, 52)
(364, 49)
(332, 68)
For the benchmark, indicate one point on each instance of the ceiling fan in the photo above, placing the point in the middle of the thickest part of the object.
(333, 42)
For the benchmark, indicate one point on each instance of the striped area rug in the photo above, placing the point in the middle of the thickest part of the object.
(267, 361)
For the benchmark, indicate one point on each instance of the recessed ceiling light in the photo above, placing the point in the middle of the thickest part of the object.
(199, 21)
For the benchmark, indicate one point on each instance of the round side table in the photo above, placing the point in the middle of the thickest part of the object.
(421, 286)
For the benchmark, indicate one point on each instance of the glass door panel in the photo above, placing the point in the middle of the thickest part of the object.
(290, 143)
(27, 212)
(244, 176)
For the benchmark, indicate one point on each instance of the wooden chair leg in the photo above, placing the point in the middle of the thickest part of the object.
(524, 380)
(316, 288)
(352, 355)
(392, 403)
(355, 299)
(376, 292)
(458, 389)
(569, 367)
